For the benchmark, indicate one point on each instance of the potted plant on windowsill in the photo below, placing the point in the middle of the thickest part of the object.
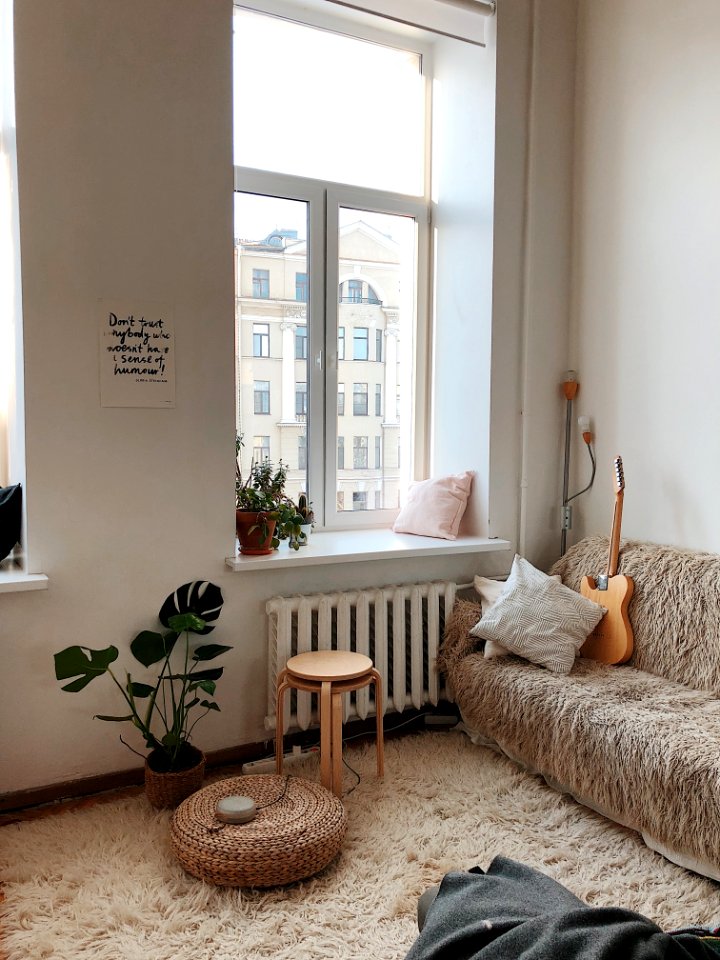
(304, 508)
(165, 710)
(264, 515)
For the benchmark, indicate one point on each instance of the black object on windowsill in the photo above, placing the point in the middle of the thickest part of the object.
(10, 518)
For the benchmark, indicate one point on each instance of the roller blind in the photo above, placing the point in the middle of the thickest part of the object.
(464, 19)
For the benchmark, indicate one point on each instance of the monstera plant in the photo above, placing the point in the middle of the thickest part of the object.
(165, 707)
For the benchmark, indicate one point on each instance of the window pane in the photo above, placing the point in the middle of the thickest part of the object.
(360, 341)
(333, 78)
(271, 341)
(261, 340)
(360, 453)
(301, 287)
(360, 399)
(378, 310)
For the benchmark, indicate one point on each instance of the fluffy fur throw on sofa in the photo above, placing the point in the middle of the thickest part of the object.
(638, 742)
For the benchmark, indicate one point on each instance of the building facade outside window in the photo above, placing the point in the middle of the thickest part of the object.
(301, 287)
(261, 339)
(261, 393)
(261, 284)
(360, 399)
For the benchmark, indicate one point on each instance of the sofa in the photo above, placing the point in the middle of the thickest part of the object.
(639, 742)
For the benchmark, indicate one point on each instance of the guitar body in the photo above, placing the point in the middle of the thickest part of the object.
(612, 639)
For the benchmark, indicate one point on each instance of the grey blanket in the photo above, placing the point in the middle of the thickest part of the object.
(512, 912)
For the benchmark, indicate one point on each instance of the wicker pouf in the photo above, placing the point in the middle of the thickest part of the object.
(299, 828)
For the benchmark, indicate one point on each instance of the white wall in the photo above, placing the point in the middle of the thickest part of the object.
(124, 113)
(647, 283)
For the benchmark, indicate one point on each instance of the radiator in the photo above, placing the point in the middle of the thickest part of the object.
(399, 627)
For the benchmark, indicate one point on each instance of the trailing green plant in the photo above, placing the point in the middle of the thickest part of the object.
(263, 492)
(166, 710)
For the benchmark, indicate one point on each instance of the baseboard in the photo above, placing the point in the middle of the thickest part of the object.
(407, 722)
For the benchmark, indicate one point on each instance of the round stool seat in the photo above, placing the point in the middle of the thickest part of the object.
(299, 828)
(329, 665)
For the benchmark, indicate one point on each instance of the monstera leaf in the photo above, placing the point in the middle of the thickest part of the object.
(83, 663)
(200, 597)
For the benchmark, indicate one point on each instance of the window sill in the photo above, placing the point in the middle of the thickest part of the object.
(13, 581)
(353, 546)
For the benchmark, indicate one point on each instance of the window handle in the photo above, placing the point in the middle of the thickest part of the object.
(319, 360)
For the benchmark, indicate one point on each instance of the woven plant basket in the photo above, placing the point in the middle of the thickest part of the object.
(169, 789)
(299, 828)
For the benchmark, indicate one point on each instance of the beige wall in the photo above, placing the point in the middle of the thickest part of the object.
(647, 246)
(124, 111)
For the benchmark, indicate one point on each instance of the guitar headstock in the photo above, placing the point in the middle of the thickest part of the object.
(619, 474)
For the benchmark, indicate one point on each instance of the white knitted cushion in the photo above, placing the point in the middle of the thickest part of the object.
(490, 591)
(539, 619)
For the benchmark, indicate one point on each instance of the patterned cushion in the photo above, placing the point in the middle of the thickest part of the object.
(539, 619)
(490, 591)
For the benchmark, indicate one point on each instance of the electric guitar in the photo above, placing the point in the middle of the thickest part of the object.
(612, 639)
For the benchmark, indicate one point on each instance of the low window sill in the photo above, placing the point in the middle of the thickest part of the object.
(14, 581)
(353, 546)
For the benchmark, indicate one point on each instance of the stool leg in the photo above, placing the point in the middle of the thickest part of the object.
(326, 734)
(282, 686)
(336, 752)
(379, 744)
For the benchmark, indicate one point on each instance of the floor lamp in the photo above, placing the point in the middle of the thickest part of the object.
(570, 389)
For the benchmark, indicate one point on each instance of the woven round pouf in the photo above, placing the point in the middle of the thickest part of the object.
(299, 828)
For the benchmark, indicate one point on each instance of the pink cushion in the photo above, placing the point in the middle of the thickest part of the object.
(435, 507)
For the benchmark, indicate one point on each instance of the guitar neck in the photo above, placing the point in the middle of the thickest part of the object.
(615, 535)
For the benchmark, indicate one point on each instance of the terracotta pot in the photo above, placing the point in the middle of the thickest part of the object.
(169, 788)
(253, 542)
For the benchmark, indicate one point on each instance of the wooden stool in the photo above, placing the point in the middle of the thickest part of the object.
(329, 674)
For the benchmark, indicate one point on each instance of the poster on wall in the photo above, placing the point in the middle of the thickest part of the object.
(137, 354)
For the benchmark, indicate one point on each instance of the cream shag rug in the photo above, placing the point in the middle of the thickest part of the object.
(101, 883)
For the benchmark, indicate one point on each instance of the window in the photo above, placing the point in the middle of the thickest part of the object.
(360, 399)
(261, 283)
(261, 449)
(351, 292)
(360, 453)
(301, 343)
(378, 442)
(360, 500)
(351, 248)
(261, 340)
(302, 452)
(360, 343)
(261, 390)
